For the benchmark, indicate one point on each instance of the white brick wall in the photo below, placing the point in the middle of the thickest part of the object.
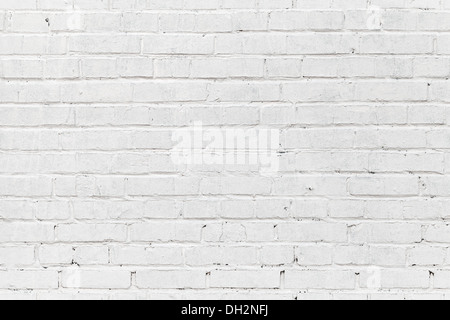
(94, 206)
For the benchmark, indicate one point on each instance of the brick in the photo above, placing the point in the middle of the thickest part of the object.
(245, 279)
(166, 232)
(91, 232)
(399, 233)
(29, 279)
(87, 279)
(207, 256)
(312, 232)
(17, 256)
(277, 255)
(171, 279)
(320, 279)
(141, 255)
(402, 279)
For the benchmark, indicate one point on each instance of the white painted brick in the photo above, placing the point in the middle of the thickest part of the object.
(420, 4)
(161, 4)
(425, 209)
(28, 22)
(245, 279)
(225, 256)
(99, 68)
(358, 67)
(275, 4)
(104, 210)
(100, 22)
(402, 279)
(398, 233)
(90, 255)
(391, 138)
(426, 256)
(171, 279)
(321, 43)
(65, 21)
(258, 232)
(95, 91)
(332, 162)
(346, 209)
(30, 69)
(17, 209)
(322, 138)
(166, 232)
(139, 22)
(33, 279)
(176, 91)
(363, 19)
(17, 256)
(392, 91)
(387, 256)
(135, 67)
(91, 4)
(62, 69)
(304, 20)
(229, 68)
(95, 206)
(284, 68)
(201, 209)
(172, 68)
(310, 186)
(195, 23)
(237, 210)
(431, 67)
(443, 42)
(379, 209)
(312, 232)
(140, 255)
(267, 209)
(55, 254)
(234, 4)
(33, 45)
(178, 44)
(250, 21)
(437, 233)
(55, 4)
(314, 256)
(441, 280)
(91, 232)
(396, 44)
(251, 44)
(92, 279)
(104, 44)
(21, 186)
(384, 186)
(314, 4)
(277, 255)
(320, 279)
(351, 255)
(347, 4)
(435, 186)
(22, 5)
(318, 91)
(53, 210)
(433, 115)
(241, 91)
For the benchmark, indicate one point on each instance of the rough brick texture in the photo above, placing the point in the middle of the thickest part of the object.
(92, 205)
